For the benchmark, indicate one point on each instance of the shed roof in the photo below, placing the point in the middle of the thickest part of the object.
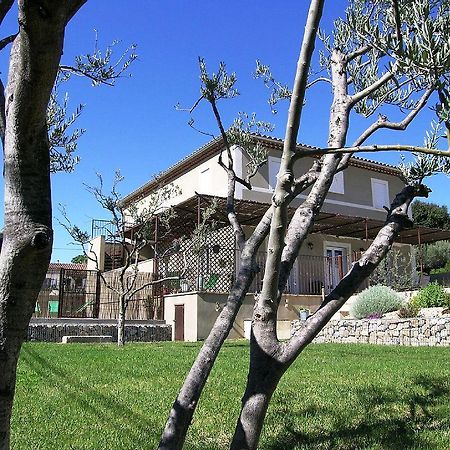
(54, 267)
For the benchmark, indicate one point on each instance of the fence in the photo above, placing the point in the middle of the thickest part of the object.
(145, 304)
(72, 293)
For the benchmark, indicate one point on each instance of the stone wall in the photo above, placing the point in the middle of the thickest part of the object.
(417, 331)
(53, 331)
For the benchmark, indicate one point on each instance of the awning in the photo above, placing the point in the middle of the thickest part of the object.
(251, 212)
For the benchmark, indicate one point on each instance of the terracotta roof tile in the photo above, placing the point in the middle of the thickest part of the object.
(53, 267)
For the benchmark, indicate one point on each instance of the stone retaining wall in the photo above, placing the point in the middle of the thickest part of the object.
(417, 331)
(53, 332)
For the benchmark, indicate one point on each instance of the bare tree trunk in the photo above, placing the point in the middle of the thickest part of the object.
(27, 241)
(266, 369)
(263, 377)
(121, 321)
(264, 372)
(184, 406)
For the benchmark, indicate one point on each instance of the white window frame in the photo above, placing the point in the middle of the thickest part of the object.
(337, 186)
(386, 200)
(273, 160)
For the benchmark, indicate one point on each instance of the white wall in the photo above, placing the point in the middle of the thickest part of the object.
(190, 314)
(96, 252)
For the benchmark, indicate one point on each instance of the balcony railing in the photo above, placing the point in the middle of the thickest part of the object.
(310, 275)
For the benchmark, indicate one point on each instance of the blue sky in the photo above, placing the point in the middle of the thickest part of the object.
(134, 126)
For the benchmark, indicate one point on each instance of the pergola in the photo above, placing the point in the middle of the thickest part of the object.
(250, 212)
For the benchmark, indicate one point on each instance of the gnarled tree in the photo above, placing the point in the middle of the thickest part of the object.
(27, 236)
(37, 140)
(384, 52)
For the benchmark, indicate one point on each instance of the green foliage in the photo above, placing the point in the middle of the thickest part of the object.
(92, 397)
(278, 91)
(100, 68)
(445, 269)
(408, 42)
(216, 86)
(396, 270)
(433, 295)
(431, 215)
(62, 139)
(240, 133)
(79, 259)
(411, 309)
(375, 300)
(434, 256)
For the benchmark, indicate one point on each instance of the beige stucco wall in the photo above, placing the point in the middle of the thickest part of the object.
(357, 198)
(147, 266)
(210, 179)
(206, 178)
(189, 300)
(96, 254)
(209, 307)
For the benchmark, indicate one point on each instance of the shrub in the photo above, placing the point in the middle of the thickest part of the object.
(445, 269)
(397, 270)
(409, 310)
(434, 256)
(374, 301)
(433, 295)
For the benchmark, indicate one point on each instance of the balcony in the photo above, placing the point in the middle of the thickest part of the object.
(310, 275)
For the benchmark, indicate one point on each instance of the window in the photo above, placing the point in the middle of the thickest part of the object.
(380, 193)
(337, 186)
(274, 168)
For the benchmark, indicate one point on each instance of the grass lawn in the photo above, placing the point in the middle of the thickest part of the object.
(82, 396)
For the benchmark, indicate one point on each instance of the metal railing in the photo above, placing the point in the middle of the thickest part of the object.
(310, 275)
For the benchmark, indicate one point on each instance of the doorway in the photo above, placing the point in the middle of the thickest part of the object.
(336, 264)
(179, 322)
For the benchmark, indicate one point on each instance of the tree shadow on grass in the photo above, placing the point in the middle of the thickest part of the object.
(393, 419)
(135, 428)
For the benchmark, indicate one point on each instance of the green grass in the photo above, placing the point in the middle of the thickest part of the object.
(334, 397)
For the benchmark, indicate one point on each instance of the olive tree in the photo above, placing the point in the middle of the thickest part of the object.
(34, 130)
(131, 229)
(383, 52)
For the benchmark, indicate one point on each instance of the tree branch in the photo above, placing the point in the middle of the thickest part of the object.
(355, 98)
(7, 40)
(377, 148)
(396, 221)
(5, 6)
(358, 52)
(398, 25)
(317, 80)
(83, 73)
(382, 122)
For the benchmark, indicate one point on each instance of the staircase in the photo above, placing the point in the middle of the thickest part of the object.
(113, 256)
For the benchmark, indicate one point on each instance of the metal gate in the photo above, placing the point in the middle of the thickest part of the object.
(79, 293)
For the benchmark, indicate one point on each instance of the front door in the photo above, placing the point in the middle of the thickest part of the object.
(179, 322)
(335, 266)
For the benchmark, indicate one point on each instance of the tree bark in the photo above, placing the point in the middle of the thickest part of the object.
(180, 416)
(121, 322)
(263, 377)
(266, 369)
(27, 239)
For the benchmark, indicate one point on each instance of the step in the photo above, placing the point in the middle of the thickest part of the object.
(86, 339)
